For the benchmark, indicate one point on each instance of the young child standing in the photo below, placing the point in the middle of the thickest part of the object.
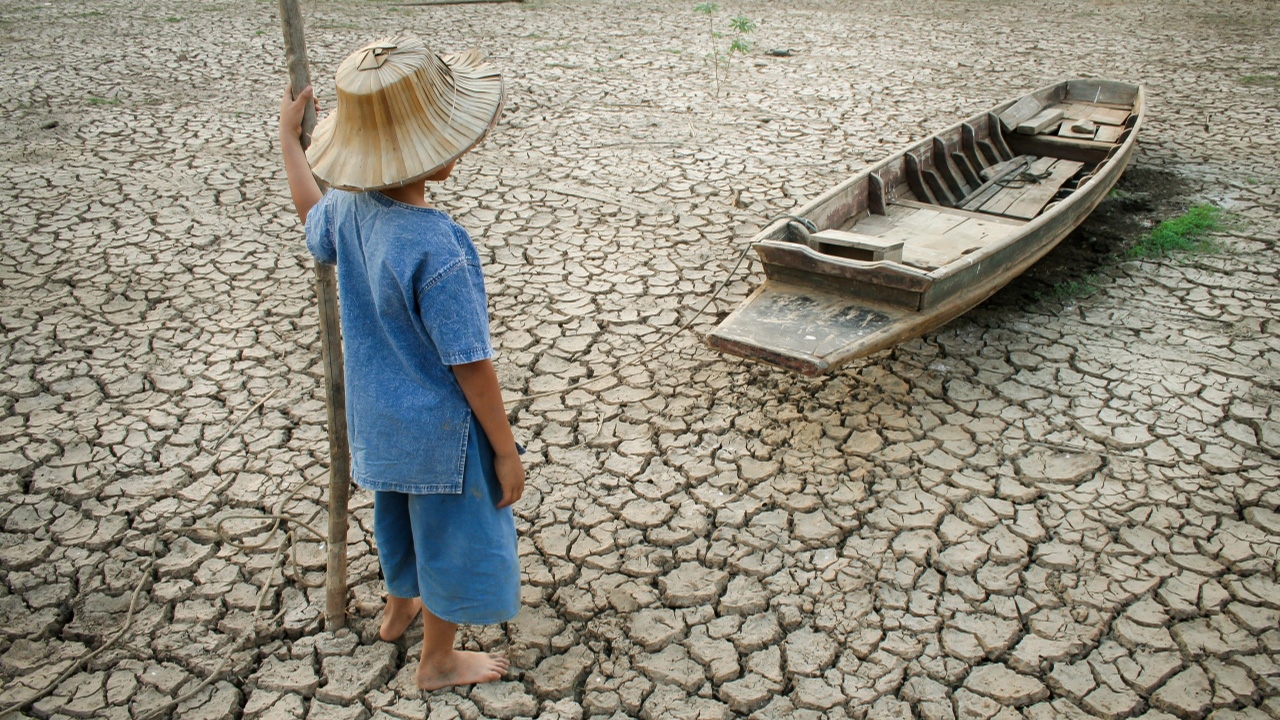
(426, 423)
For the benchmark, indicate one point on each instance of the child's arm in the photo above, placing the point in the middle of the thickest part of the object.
(479, 384)
(302, 185)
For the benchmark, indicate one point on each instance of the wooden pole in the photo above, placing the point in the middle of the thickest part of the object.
(335, 606)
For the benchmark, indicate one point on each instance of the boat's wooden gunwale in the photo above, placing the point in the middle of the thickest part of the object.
(873, 293)
(803, 257)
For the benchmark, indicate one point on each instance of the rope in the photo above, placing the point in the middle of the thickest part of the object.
(1022, 177)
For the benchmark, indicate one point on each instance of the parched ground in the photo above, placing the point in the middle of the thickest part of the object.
(1062, 505)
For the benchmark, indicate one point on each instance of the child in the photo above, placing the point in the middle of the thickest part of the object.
(427, 427)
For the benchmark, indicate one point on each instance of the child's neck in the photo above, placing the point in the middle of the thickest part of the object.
(412, 194)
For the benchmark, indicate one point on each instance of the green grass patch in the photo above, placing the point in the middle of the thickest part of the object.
(1182, 234)
(1261, 80)
(1070, 289)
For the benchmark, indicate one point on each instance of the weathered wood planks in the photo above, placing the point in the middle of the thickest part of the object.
(1021, 111)
(1040, 122)
(952, 257)
(856, 246)
(1025, 198)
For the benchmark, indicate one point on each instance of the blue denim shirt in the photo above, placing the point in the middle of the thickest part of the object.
(412, 301)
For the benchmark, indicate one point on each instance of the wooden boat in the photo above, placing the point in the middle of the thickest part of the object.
(914, 241)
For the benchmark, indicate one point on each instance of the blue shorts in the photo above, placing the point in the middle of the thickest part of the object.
(456, 552)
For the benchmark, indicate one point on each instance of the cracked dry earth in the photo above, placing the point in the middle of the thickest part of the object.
(1059, 506)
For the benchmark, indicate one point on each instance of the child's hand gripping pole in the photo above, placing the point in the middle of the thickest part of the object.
(294, 137)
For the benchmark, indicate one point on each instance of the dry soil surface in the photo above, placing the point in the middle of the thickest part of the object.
(1062, 505)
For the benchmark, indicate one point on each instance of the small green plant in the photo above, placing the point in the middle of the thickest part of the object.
(721, 54)
(95, 100)
(1185, 233)
(742, 26)
(174, 19)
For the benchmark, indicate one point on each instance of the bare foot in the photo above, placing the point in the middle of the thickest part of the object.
(461, 667)
(399, 613)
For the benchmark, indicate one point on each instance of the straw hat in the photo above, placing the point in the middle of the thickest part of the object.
(403, 113)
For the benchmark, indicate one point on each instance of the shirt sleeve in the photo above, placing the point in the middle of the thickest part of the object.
(453, 308)
(319, 230)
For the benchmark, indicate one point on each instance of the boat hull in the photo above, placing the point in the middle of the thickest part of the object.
(816, 312)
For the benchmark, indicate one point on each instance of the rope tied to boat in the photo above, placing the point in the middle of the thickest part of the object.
(799, 227)
(1023, 176)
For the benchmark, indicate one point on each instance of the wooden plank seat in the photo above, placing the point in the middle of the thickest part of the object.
(1041, 122)
(1098, 114)
(930, 235)
(1023, 195)
(1088, 121)
(1090, 152)
(1109, 133)
(856, 246)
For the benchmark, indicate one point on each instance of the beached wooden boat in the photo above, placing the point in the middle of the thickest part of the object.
(914, 241)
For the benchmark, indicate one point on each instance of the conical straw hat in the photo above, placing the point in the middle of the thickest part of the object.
(403, 113)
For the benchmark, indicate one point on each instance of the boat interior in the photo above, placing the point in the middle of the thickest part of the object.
(975, 184)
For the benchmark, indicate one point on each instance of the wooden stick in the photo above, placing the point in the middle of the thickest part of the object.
(335, 610)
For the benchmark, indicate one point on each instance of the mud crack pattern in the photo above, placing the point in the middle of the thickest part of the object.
(1061, 505)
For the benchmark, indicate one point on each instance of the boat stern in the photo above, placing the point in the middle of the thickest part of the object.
(801, 329)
